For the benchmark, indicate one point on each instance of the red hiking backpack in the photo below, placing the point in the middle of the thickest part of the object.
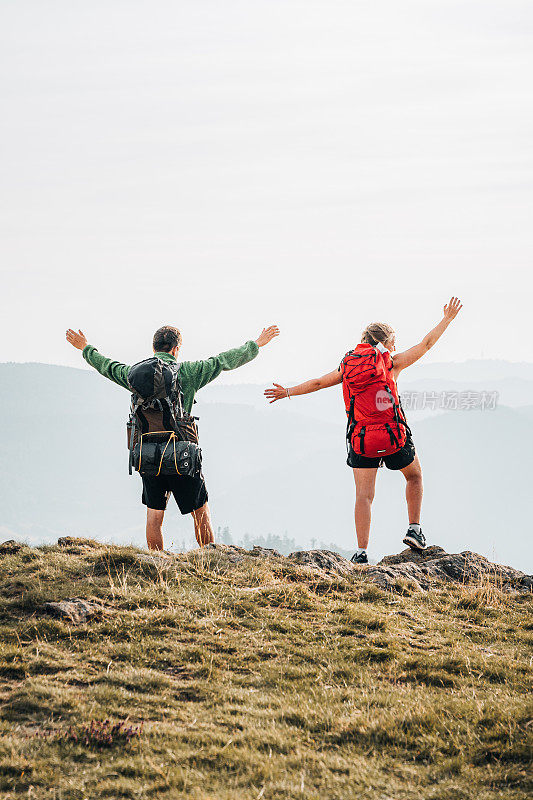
(376, 422)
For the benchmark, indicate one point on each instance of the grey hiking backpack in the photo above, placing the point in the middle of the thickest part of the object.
(162, 439)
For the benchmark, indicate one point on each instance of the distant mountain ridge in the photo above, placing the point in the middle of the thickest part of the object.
(270, 469)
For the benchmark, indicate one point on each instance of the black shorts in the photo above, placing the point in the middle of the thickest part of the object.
(189, 493)
(398, 460)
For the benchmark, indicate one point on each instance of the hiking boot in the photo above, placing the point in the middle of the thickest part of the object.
(362, 558)
(414, 539)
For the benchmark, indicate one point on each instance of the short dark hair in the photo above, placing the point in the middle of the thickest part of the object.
(166, 339)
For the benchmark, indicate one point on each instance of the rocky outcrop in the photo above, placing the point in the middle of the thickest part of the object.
(421, 570)
(435, 564)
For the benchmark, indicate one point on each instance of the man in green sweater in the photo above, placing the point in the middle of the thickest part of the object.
(190, 493)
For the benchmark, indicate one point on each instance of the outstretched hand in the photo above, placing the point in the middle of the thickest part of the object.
(266, 335)
(77, 340)
(278, 393)
(452, 308)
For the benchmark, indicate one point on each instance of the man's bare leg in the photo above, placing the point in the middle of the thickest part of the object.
(154, 525)
(203, 530)
(414, 490)
(365, 484)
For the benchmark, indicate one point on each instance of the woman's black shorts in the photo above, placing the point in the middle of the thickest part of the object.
(189, 493)
(398, 460)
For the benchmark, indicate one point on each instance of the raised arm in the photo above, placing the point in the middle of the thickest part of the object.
(408, 357)
(279, 392)
(114, 370)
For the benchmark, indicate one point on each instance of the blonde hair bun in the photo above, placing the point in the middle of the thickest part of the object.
(377, 332)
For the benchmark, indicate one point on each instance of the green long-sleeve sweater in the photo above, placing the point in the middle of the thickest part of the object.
(193, 374)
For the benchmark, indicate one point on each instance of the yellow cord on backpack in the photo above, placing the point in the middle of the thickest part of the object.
(172, 438)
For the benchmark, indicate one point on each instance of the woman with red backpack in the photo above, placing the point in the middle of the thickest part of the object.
(377, 432)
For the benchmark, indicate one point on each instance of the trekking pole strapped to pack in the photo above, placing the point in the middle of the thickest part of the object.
(162, 439)
(376, 423)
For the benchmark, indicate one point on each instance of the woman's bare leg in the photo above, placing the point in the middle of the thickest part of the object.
(414, 490)
(203, 530)
(365, 484)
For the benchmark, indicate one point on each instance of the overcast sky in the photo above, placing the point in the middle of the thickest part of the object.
(221, 165)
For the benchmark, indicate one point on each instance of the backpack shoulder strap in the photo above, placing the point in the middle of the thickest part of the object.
(177, 390)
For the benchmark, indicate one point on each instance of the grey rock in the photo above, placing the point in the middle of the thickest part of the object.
(388, 577)
(263, 552)
(227, 552)
(76, 610)
(325, 560)
(436, 565)
(415, 556)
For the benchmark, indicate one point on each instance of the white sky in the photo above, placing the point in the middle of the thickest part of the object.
(224, 165)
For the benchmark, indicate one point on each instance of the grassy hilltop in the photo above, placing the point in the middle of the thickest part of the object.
(260, 679)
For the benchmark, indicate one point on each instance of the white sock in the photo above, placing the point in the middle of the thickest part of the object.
(414, 526)
(360, 551)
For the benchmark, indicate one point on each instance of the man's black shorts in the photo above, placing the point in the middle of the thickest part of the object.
(189, 493)
(398, 460)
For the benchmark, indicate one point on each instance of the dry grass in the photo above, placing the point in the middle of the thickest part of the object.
(258, 681)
